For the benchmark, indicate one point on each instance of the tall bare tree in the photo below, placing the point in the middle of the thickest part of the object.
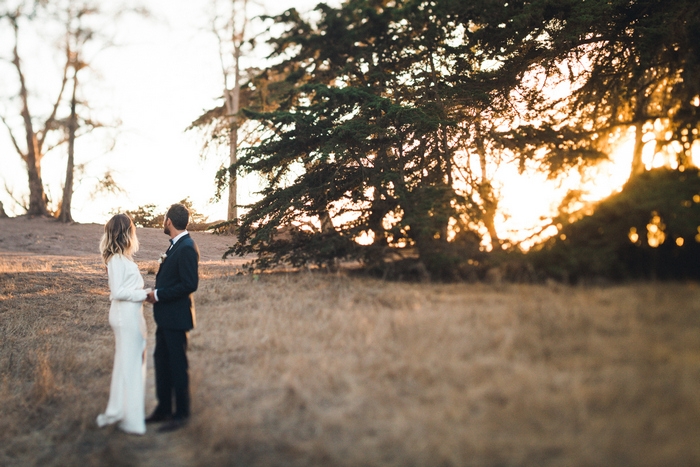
(230, 22)
(77, 35)
(32, 145)
(231, 34)
(64, 214)
(87, 28)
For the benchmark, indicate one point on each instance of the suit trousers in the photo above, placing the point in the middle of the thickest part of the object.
(170, 358)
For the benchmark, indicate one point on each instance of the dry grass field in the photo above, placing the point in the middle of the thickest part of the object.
(311, 369)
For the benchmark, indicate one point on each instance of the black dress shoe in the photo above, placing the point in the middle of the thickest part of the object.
(158, 417)
(173, 425)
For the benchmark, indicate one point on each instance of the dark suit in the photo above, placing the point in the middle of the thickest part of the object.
(177, 279)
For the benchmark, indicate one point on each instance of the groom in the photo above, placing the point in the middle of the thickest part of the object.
(173, 310)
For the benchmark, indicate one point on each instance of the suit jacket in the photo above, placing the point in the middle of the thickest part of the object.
(176, 281)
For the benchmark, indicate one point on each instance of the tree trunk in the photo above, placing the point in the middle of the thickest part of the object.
(38, 200)
(233, 102)
(232, 212)
(32, 158)
(65, 214)
(490, 202)
(637, 163)
(233, 107)
(326, 223)
(379, 210)
(489, 212)
(37, 196)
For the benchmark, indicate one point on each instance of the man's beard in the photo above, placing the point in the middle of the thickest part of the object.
(166, 230)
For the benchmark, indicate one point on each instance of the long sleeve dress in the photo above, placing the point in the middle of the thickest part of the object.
(127, 390)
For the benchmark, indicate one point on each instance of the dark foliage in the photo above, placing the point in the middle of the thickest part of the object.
(146, 216)
(150, 215)
(380, 101)
(601, 246)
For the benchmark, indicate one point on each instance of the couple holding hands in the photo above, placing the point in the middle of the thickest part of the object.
(174, 314)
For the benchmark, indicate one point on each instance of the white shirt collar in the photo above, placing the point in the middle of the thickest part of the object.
(179, 237)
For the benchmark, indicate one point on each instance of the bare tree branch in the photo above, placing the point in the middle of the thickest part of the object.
(11, 194)
(51, 120)
(12, 138)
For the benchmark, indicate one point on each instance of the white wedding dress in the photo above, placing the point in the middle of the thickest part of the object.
(127, 391)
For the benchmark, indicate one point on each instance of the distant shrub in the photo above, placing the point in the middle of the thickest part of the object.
(146, 216)
(150, 215)
(648, 230)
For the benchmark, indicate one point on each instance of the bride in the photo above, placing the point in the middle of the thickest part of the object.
(127, 391)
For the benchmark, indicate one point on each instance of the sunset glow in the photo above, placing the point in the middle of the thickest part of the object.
(530, 200)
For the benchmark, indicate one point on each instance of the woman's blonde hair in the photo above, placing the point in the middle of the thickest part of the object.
(119, 238)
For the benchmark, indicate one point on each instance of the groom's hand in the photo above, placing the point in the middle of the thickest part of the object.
(150, 297)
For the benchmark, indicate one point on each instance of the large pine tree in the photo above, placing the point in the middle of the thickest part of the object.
(395, 113)
(372, 139)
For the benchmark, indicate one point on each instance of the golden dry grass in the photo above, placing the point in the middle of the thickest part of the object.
(317, 369)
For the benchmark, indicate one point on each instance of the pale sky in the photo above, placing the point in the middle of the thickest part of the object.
(163, 76)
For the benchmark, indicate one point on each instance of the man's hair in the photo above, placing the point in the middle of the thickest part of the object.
(179, 216)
